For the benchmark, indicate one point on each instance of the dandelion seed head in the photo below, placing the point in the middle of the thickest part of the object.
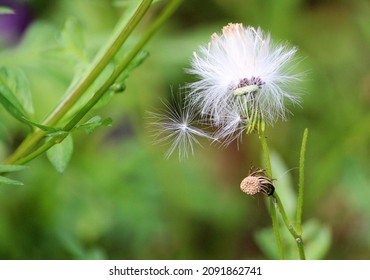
(244, 70)
(244, 81)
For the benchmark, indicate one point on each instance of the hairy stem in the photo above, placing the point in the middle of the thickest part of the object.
(289, 226)
(275, 223)
(275, 202)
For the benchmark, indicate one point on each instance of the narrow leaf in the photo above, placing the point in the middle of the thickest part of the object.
(11, 168)
(301, 182)
(43, 127)
(7, 181)
(60, 154)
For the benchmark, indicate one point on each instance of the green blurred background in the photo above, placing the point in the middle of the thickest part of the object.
(120, 199)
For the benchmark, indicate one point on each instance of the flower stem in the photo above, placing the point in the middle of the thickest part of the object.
(289, 226)
(123, 65)
(275, 201)
(79, 89)
(273, 205)
(170, 8)
(301, 182)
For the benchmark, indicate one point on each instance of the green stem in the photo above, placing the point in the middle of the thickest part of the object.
(301, 182)
(275, 202)
(289, 226)
(123, 65)
(275, 223)
(171, 7)
(97, 67)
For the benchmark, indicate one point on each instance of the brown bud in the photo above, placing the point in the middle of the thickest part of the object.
(257, 182)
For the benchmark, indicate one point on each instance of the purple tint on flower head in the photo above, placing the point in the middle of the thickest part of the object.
(12, 26)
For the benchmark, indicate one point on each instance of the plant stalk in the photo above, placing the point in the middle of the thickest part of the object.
(170, 8)
(301, 182)
(275, 223)
(98, 66)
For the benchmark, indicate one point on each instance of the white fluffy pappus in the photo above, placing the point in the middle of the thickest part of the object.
(176, 126)
(242, 73)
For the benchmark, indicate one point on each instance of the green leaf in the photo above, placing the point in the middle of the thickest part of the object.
(11, 105)
(70, 44)
(16, 80)
(136, 62)
(266, 241)
(8, 99)
(283, 184)
(317, 239)
(43, 127)
(71, 39)
(60, 154)
(94, 123)
(7, 181)
(15, 95)
(6, 10)
(11, 168)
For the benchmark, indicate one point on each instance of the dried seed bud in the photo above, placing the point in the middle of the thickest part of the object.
(250, 185)
(257, 182)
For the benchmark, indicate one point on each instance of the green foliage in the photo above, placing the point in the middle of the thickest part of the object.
(15, 95)
(8, 181)
(316, 238)
(316, 235)
(61, 153)
(9, 169)
(94, 123)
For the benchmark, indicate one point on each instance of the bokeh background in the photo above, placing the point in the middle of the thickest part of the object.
(120, 199)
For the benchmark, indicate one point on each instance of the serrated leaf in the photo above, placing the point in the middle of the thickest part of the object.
(7, 181)
(60, 154)
(11, 168)
(6, 10)
(94, 123)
